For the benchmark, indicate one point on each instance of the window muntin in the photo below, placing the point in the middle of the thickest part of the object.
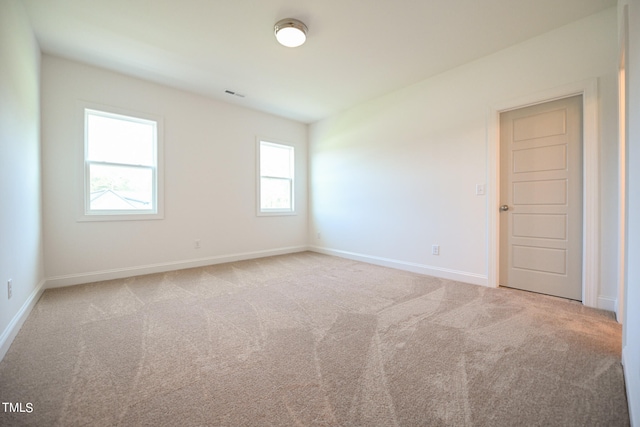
(121, 164)
(276, 186)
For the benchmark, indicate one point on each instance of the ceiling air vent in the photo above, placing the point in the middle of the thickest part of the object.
(230, 92)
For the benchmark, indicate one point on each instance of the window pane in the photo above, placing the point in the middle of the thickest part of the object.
(276, 161)
(275, 193)
(120, 188)
(116, 140)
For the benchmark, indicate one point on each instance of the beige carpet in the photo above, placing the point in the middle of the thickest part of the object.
(308, 339)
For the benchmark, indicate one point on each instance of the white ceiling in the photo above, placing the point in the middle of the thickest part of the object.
(356, 49)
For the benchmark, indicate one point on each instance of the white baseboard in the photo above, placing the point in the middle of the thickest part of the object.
(120, 273)
(444, 273)
(12, 329)
(606, 303)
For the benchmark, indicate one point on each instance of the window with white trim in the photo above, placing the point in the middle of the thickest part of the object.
(120, 166)
(276, 183)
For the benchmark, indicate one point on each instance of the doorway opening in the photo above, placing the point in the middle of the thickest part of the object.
(541, 198)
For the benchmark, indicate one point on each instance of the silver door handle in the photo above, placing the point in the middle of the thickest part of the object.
(504, 208)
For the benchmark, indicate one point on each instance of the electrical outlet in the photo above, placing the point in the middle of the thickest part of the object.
(197, 244)
(319, 236)
(435, 250)
(9, 288)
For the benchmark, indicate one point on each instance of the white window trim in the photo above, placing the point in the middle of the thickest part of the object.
(84, 214)
(274, 212)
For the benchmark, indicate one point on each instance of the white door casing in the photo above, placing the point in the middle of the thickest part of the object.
(541, 198)
(591, 147)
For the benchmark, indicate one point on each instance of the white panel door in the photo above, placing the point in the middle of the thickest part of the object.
(541, 198)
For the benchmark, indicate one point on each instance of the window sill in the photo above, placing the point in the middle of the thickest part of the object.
(119, 217)
(277, 213)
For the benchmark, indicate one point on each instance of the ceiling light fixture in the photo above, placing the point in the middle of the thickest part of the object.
(291, 32)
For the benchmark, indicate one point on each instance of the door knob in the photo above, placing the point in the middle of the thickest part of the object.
(504, 208)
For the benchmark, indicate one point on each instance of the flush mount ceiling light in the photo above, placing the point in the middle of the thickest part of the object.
(291, 32)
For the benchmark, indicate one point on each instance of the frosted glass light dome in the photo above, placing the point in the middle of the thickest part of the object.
(290, 32)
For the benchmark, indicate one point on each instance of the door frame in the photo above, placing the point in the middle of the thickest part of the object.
(623, 122)
(590, 184)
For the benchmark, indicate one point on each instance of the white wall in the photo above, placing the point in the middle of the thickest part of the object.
(395, 175)
(631, 323)
(21, 214)
(209, 176)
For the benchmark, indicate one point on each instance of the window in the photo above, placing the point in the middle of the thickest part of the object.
(276, 187)
(120, 166)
